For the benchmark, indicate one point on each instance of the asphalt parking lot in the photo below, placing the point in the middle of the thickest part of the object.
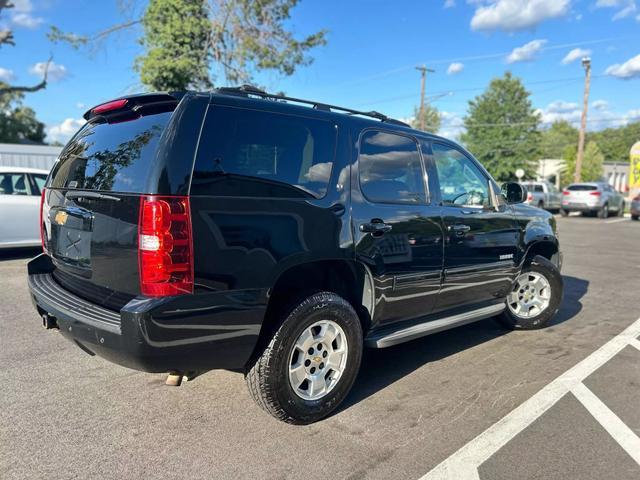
(474, 402)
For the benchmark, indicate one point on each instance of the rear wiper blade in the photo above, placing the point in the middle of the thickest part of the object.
(96, 195)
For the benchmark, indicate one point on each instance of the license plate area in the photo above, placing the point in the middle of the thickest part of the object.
(71, 231)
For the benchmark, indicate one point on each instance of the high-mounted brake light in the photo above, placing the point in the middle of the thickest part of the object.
(42, 228)
(109, 106)
(165, 248)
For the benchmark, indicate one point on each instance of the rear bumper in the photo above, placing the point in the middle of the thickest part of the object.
(581, 208)
(185, 333)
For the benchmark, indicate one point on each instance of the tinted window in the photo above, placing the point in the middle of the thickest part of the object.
(111, 156)
(461, 181)
(538, 189)
(390, 169)
(254, 153)
(14, 184)
(582, 188)
(39, 181)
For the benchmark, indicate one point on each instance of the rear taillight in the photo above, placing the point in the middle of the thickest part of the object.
(565, 192)
(165, 248)
(42, 228)
(637, 198)
(529, 197)
(595, 194)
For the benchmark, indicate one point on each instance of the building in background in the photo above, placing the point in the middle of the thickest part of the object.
(32, 156)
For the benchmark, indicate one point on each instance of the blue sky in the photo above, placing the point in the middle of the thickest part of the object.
(369, 61)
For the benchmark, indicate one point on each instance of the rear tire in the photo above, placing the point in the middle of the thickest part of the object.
(564, 212)
(545, 283)
(541, 205)
(635, 217)
(621, 210)
(272, 377)
(604, 211)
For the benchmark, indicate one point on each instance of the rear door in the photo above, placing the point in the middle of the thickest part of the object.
(481, 234)
(397, 229)
(19, 210)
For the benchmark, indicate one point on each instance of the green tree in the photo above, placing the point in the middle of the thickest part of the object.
(555, 139)
(502, 128)
(615, 143)
(191, 43)
(17, 122)
(176, 35)
(592, 161)
(432, 118)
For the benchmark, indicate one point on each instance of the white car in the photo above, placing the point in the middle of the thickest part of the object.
(20, 190)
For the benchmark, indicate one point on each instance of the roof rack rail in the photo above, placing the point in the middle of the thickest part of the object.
(246, 90)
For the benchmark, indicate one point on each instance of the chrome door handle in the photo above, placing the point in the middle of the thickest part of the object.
(376, 227)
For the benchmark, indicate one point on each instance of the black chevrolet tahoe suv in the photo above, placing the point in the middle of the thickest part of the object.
(241, 230)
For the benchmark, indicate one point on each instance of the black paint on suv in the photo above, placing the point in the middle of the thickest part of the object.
(240, 230)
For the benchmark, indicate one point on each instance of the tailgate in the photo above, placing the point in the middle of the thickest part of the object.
(92, 240)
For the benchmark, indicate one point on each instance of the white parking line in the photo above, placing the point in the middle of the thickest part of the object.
(617, 220)
(622, 434)
(464, 463)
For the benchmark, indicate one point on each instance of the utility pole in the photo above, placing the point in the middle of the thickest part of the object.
(586, 63)
(423, 73)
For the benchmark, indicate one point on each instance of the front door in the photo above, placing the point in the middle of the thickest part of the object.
(397, 230)
(481, 235)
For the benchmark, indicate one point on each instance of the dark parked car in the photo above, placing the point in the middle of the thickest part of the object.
(278, 237)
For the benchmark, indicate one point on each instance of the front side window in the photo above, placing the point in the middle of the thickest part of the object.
(390, 169)
(462, 183)
(14, 184)
(263, 154)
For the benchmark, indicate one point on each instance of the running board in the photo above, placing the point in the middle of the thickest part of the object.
(388, 339)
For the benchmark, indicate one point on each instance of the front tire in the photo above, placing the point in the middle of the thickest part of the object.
(635, 217)
(621, 210)
(535, 297)
(311, 362)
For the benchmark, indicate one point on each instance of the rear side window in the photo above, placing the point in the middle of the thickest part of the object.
(14, 184)
(114, 157)
(255, 153)
(390, 168)
(40, 181)
(538, 189)
(582, 188)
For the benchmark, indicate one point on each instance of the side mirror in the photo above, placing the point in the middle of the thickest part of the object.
(514, 192)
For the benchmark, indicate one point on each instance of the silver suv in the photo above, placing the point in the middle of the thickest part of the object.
(592, 198)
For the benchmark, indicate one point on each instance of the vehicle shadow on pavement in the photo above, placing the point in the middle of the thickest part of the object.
(385, 366)
(574, 290)
(25, 253)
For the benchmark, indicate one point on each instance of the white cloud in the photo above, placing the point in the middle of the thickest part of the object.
(6, 75)
(600, 105)
(451, 125)
(527, 52)
(455, 68)
(516, 15)
(626, 70)
(81, 105)
(598, 118)
(449, 3)
(26, 20)
(575, 54)
(62, 132)
(56, 71)
(626, 8)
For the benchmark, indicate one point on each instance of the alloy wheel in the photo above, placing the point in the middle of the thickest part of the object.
(530, 296)
(318, 360)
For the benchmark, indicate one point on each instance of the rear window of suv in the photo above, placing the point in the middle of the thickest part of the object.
(582, 188)
(115, 157)
(256, 153)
